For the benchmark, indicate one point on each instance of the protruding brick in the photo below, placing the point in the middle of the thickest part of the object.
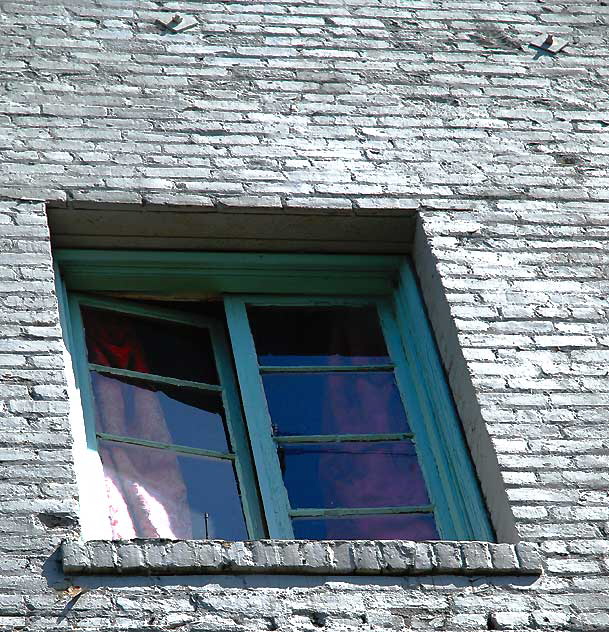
(366, 557)
(448, 556)
(397, 557)
(476, 556)
(424, 560)
(529, 557)
(130, 558)
(102, 556)
(75, 556)
(504, 557)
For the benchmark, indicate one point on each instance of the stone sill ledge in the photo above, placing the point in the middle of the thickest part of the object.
(301, 557)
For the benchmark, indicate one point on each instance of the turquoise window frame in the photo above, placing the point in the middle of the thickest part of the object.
(280, 279)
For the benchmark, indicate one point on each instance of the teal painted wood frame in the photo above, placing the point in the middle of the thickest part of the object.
(447, 466)
(200, 273)
(273, 492)
(438, 419)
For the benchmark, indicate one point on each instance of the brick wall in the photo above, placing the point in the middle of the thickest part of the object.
(341, 108)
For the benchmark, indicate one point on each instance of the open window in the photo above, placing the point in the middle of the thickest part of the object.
(250, 396)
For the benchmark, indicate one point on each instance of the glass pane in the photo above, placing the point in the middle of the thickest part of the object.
(156, 493)
(378, 527)
(154, 346)
(157, 412)
(350, 474)
(334, 403)
(325, 336)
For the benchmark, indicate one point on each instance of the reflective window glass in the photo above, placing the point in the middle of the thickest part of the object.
(352, 474)
(373, 527)
(155, 493)
(334, 403)
(159, 412)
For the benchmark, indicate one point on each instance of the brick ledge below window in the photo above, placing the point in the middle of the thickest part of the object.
(362, 557)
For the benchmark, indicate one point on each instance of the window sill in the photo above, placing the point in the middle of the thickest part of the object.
(367, 557)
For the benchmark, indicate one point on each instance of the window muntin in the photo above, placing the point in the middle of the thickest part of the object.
(444, 462)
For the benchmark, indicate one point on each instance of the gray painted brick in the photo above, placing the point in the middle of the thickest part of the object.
(448, 556)
(184, 557)
(363, 110)
(476, 556)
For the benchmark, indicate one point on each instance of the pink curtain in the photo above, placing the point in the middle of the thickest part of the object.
(356, 398)
(147, 496)
(364, 395)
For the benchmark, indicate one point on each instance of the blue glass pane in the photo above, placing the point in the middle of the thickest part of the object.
(156, 493)
(320, 336)
(352, 474)
(158, 412)
(377, 527)
(334, 403)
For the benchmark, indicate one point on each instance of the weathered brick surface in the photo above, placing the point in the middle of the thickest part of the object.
(351, 108)
(286, 103)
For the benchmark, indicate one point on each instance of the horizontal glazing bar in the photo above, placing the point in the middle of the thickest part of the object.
(396, 436)
(182, 449)
(328, 369)
(151, 377)
(359, 511)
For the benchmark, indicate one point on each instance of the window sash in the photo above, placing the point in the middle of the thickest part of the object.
(265, 445)
(95, 512)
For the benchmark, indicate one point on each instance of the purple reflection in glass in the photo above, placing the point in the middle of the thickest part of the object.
(155, 493)
(376, 527)
(350, 474)
(334, 403)
(159, 412)
(321, 336)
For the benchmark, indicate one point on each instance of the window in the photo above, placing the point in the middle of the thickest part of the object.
(240, 396)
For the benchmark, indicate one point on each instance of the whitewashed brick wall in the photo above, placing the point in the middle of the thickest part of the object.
(348, 108)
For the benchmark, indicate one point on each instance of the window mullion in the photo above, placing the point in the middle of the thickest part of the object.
(238, 436)
(274, 495)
